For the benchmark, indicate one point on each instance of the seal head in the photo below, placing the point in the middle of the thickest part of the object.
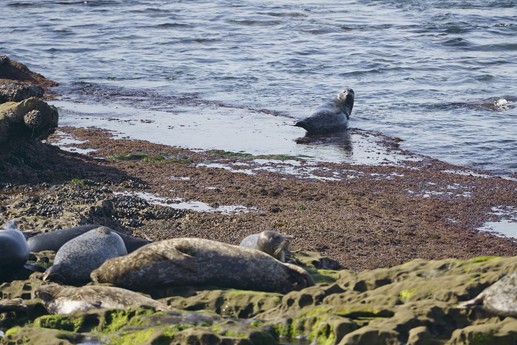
(331, 116)
(270, 242)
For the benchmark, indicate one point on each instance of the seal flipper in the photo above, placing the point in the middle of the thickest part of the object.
(476, 302)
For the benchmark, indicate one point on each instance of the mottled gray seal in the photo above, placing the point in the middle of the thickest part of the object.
(55, 239)
(270, 242)
(59, 299)
(14, 251)
(331, 116)
(499, 299)
(195, 262)
(77, 258)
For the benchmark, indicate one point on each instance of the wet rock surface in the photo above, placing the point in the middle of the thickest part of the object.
(417, 302)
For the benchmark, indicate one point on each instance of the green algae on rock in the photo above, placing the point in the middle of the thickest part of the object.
(413, 303)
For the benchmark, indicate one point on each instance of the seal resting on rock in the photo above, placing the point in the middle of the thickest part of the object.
(55, 239)
(331, 116)
(270, 242)
(77, 258)
(14, 251)
(59, 299)
(499, 299)
(195, 262)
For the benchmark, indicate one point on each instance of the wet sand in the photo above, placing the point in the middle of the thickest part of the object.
(364, 216)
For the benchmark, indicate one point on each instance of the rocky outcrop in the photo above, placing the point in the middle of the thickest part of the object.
(25, 119)
(414, 303)
(17, 82)
(30, 119)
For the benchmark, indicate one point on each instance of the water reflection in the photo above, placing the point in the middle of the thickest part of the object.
(341, 140)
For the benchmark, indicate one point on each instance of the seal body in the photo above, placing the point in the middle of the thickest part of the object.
(270, 242)
(59, 299)
(331, 116)
(77, 258)
(14, 251)
(195, 262)
(55, 239)
(499, 299)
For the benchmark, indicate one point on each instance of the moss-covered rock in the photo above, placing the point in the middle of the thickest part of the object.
(413, 303)
(30, 118)
(227, 303)
(499, 332)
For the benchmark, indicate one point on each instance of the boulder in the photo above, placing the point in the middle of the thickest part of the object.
(31, 118)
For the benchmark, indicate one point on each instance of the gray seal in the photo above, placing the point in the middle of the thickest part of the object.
(331, 116)
(270, 242)
(53, 240)
(499, 299)
(77, 258)
(14, 251)
(201, 262)
(59, 299)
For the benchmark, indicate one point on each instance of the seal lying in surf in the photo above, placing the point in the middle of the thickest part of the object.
(77, 258)
(270, 242)
(499, 299)
(55, 239)
(195, 262)
(14, 251)
(59, 299)
(331, 116)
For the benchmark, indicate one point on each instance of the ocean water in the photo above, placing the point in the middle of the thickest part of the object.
(441, 74)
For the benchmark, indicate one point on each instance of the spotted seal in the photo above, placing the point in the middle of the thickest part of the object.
(198, 262)
(59, 299)
(77, 258)
(53, 240)
(331, 116)
(499, 299)
(270, 242)
(14, 251)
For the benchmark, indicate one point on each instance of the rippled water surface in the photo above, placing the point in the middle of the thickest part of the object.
(441, 75)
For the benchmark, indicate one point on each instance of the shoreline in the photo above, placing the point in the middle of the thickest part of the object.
(419, 209)
(353, 225)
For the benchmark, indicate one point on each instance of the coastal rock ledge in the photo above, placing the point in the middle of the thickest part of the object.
(414, 303)
(25, 118)
(23, 113)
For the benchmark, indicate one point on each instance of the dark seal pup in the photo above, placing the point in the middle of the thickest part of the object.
(270, 242)
(77, 258)
(14, 251)
(59, 299)
(53, 240)
(198, 262)
(331, 116)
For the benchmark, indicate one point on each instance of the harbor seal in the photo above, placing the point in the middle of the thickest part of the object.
(77, 258)
(270, 242)
(55, 239)
(331, 116)
(14, 251)
(59, 299)
(499, 299)
(201, 262)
